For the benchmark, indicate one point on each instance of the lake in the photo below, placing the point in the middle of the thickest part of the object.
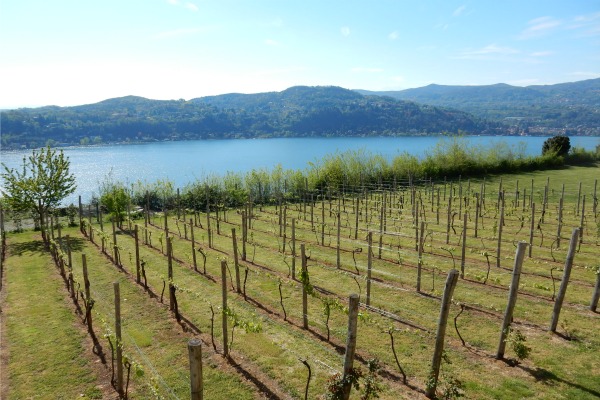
(185, 162)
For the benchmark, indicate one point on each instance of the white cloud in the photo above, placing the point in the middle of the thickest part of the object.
(345, 31)
(191, 6)
(487, 52)
(588, 25)
(459, 10)
(366, 69)
(394, 35)
(173, 2)
(271, 42)
(539, 27)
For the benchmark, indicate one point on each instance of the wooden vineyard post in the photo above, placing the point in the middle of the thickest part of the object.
(208, 230)
(582, 220)
(350, 344)
(476, 213)
(224, 308)
(337, 253)
(449, 217)
(166, 215)
(596, 294)
(115, 247)
(595, 202)
(304, 284)
(244, 234)
(532, 227)
(441, 333)
(81, 228)
(559, 228)
(565, 280)
(369, 265)
(323, 221)
(137, 254)
(578, 198)
(195, 356)
(420, 259)
(379, 250)
(464, 247)
(499, 246)
(170, 275)
(118, 344)
(236, 262)
(193, 245)
(294, 248)
(88, 298)
(70, 265)
(356, 217)
(512, 298)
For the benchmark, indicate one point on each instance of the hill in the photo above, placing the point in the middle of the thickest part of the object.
(298, 111)
(572, 108)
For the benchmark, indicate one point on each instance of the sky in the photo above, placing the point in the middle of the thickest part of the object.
(71, 52)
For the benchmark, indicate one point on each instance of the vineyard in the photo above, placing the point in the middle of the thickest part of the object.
(482, 288)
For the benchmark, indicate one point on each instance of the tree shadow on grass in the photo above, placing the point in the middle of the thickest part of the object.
(37, 246)
(20, 249)
(548, 377)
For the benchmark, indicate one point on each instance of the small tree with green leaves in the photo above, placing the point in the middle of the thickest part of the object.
(557, 144)
(41, 184)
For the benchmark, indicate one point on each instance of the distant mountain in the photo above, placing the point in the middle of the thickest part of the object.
(298, 111)
(571, 107)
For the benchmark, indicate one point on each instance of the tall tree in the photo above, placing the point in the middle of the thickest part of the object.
(42, 183)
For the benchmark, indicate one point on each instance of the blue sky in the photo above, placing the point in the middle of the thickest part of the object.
(68, 52)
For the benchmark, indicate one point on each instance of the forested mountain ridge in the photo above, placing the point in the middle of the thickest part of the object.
(572, 108)
(299, 111)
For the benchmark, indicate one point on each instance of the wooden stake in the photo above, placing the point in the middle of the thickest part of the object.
(137, 254)
(596, 294)
(193, 245)
(565, 280)
(118, 344)
(441, 333)
(512, 298)
(294, 248)
(236, 262)
(369, 265)
(350, 343)
(86, 284)
(532, 227)
(195, 357)
(499, 247)
(464, 247)
(304, 293)
(420, 260)
(224, 308)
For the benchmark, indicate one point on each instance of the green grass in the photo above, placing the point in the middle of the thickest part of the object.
(46, 357)
(556, 367)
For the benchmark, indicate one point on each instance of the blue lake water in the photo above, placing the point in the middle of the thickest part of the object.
(185, 162)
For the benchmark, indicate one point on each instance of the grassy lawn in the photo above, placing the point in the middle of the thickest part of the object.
(46, 357)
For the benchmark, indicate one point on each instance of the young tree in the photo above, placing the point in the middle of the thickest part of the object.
(41, 185)
(557, 144)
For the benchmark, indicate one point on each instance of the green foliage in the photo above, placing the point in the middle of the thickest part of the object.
(41, 185)
(559, 145)
(115, 198)
(336, 383)
(297, 111)
(517, 341)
